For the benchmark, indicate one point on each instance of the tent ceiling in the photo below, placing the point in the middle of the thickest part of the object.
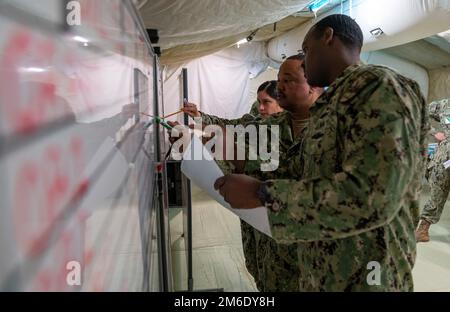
(193, 28)
(199, 27)
(189, 51)
(431, 53)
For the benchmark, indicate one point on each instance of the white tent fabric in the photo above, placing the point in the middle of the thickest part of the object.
(183, 22)
(270, 74)
(218, 83)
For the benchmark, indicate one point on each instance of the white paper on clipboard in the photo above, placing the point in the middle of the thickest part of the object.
(199, 166)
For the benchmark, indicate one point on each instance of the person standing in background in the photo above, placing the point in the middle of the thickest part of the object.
(437, 172)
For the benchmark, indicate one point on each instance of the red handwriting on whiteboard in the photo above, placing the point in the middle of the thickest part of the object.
(93, 13)
(27, 100)
(52, 274)
(45, 184)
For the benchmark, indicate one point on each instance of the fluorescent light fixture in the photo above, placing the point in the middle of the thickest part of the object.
(248, 39)
(316, 5)
(80, 39)
(242, 41)
(32, 70)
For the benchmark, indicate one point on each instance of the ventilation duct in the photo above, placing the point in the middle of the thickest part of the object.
(401, 21)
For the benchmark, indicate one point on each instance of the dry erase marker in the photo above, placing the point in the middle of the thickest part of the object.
(163, 123)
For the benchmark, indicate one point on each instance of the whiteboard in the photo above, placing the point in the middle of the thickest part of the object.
(77, 205)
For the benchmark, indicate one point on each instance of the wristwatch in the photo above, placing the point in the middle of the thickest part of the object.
(266, 199)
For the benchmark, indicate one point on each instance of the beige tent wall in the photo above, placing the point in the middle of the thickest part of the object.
(439, 84)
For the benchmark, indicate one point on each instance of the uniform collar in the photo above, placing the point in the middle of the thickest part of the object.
(326, 96)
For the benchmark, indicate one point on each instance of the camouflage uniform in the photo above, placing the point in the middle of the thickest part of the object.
(274, 266)
(226, 166)
(358, 200)
(254, 109)
(438, 176)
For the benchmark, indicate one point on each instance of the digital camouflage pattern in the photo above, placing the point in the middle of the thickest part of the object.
(254, 109)
(437, 175)
(440, 111)
(274, 266)
(206, 119)
(358, 200)
(214, 120)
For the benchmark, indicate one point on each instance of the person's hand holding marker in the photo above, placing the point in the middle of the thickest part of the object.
(190, 109)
